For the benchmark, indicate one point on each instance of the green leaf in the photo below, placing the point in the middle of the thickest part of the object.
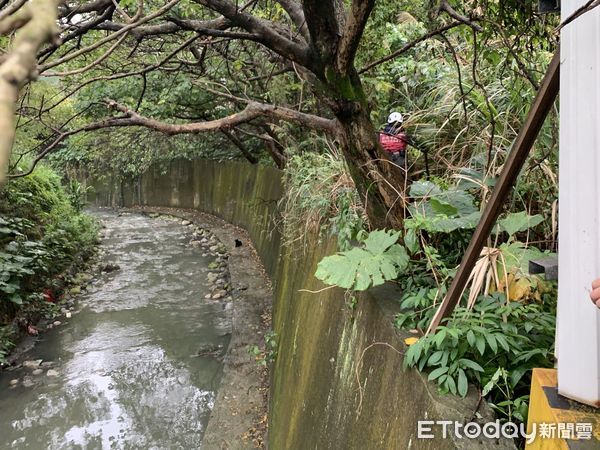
(437, 373)
(380, 260)
(463, 383)
(441, 207)
(411, 241)
(502, 341)
(413, 354)
(451, 384)
(467, 363)
(328, 271)
(440, 335)
(517, 374)
(471, 338)
(521, 221)
(435, 358)
(424, 189)
(379, 241)
(480, 343)
(491, 342)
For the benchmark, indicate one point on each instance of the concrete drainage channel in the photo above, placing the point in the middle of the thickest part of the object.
(239, 417)
(154, 348)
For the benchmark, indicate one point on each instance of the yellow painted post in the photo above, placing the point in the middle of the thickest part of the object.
(559, 423)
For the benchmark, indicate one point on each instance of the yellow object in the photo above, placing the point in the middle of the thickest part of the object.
(555, 416)
(410, 340)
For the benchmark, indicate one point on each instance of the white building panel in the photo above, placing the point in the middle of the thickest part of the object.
(578, 329)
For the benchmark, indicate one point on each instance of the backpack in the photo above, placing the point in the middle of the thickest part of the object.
(393, 143)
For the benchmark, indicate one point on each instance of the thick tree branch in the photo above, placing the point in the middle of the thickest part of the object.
(355, 24)
(11, 9)
(265, 31)
(131, 118)
(252, 111)
(96, 5)
(18, 19)
(171, 26)
(325, 20)
(19, 66)
(294, 10)
(445, 6)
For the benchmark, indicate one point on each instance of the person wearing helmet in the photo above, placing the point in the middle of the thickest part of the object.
(394, 140)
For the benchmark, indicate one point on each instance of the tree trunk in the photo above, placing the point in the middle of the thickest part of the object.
(380, 183)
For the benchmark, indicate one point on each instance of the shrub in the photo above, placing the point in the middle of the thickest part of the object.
(320, 195)
(41, 234)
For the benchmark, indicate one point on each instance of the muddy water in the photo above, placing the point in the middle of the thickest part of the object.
(124, 373)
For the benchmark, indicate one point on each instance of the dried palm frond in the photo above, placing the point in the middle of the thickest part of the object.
(485, 275)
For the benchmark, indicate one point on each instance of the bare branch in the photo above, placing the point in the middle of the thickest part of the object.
(110, 38)
(587, 7)
(445, 6)
(241, 146)
(93, 63)
(171, 26)
(117, 76)
(130, 118)
(11, 23)
(294, 10)
(11, 9)
(96, 5)
(410, 45)
(107, 123)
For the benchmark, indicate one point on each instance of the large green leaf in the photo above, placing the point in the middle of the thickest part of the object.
(424, 189)
(440, 211)
(517, 256)
(442, 224)
(379, 259)
(521, 221)
(442, 207)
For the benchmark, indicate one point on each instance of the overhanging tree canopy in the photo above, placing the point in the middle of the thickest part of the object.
(231, 54)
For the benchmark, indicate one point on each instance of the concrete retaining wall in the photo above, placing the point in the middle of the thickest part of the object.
(338, 381)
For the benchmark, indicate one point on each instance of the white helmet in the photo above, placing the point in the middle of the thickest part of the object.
(395, 117)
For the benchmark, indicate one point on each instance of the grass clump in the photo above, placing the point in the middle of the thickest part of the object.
(320, 197)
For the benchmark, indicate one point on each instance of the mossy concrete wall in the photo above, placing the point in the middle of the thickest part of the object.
(338, 381)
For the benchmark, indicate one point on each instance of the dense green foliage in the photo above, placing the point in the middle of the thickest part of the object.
(42, 232)
(505, 324)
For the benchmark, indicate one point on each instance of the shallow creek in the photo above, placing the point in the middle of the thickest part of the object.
(124, 371)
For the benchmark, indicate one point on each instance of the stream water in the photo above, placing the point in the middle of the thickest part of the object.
(124, 372)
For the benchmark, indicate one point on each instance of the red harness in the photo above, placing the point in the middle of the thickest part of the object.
(393, 143)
